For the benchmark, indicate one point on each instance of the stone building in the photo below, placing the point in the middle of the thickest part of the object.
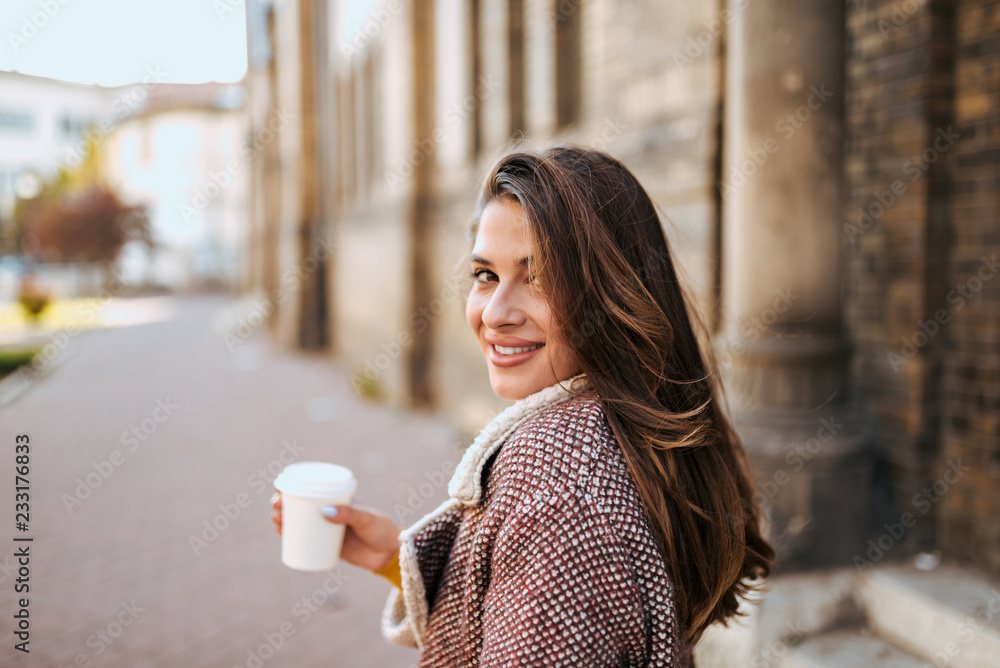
(828, 177)
(43, 123)
(179, 152)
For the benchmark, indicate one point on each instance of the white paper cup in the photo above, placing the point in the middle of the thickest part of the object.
(308, 541)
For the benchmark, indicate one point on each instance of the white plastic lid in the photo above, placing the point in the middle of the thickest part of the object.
(316, 480)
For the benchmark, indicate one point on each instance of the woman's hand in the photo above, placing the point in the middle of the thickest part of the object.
(371, 539)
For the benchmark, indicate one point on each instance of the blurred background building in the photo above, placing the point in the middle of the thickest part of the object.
(181, 153)
(173, 148)
(42, 121)
(829, 181)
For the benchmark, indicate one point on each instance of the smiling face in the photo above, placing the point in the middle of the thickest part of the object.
(506, 309)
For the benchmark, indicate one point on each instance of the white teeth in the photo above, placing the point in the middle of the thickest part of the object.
(513, 351)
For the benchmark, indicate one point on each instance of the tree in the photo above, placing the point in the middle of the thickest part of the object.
(92, 225)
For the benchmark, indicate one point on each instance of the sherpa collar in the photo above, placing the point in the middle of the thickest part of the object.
(466, 485)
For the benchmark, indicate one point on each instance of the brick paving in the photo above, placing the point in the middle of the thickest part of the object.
(115, 579)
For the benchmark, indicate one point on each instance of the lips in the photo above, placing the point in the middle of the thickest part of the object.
(510, 351)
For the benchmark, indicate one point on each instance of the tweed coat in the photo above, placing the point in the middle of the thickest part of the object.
(542, 556)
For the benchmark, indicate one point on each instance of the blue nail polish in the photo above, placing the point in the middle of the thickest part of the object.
(329, 511)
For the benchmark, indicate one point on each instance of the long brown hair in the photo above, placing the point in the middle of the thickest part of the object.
(602, 259)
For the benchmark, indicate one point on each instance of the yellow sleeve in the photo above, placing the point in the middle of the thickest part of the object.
(391, 572)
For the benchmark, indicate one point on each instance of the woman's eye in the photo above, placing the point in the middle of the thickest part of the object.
(483, 275)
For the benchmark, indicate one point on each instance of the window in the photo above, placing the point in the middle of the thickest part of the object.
(16, 121)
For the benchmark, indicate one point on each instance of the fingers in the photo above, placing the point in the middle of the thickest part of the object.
(358, 517)
(341, 515)
(276, 517)
(370, 525)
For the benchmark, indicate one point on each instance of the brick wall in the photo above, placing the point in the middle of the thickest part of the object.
(895, 243)
(921, 214)
(970, 510)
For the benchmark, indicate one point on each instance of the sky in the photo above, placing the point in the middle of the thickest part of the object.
(116, 42)
(354, 15)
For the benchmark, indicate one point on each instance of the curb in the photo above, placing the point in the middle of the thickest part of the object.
(22, 380)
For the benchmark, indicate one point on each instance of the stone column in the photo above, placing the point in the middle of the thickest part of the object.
(493, 63)
(784, 352)
(313, 183)
(540, 73)
(267, 161)
(420, 214)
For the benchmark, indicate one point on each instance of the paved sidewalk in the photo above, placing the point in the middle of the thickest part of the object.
(145, 437)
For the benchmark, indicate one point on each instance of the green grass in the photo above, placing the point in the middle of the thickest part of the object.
(11, 360)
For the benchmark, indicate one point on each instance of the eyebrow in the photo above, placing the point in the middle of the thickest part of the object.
(523, 262)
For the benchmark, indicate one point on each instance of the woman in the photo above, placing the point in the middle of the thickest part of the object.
(606, 517)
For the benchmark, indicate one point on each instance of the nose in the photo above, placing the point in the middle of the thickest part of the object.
(504, 307)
